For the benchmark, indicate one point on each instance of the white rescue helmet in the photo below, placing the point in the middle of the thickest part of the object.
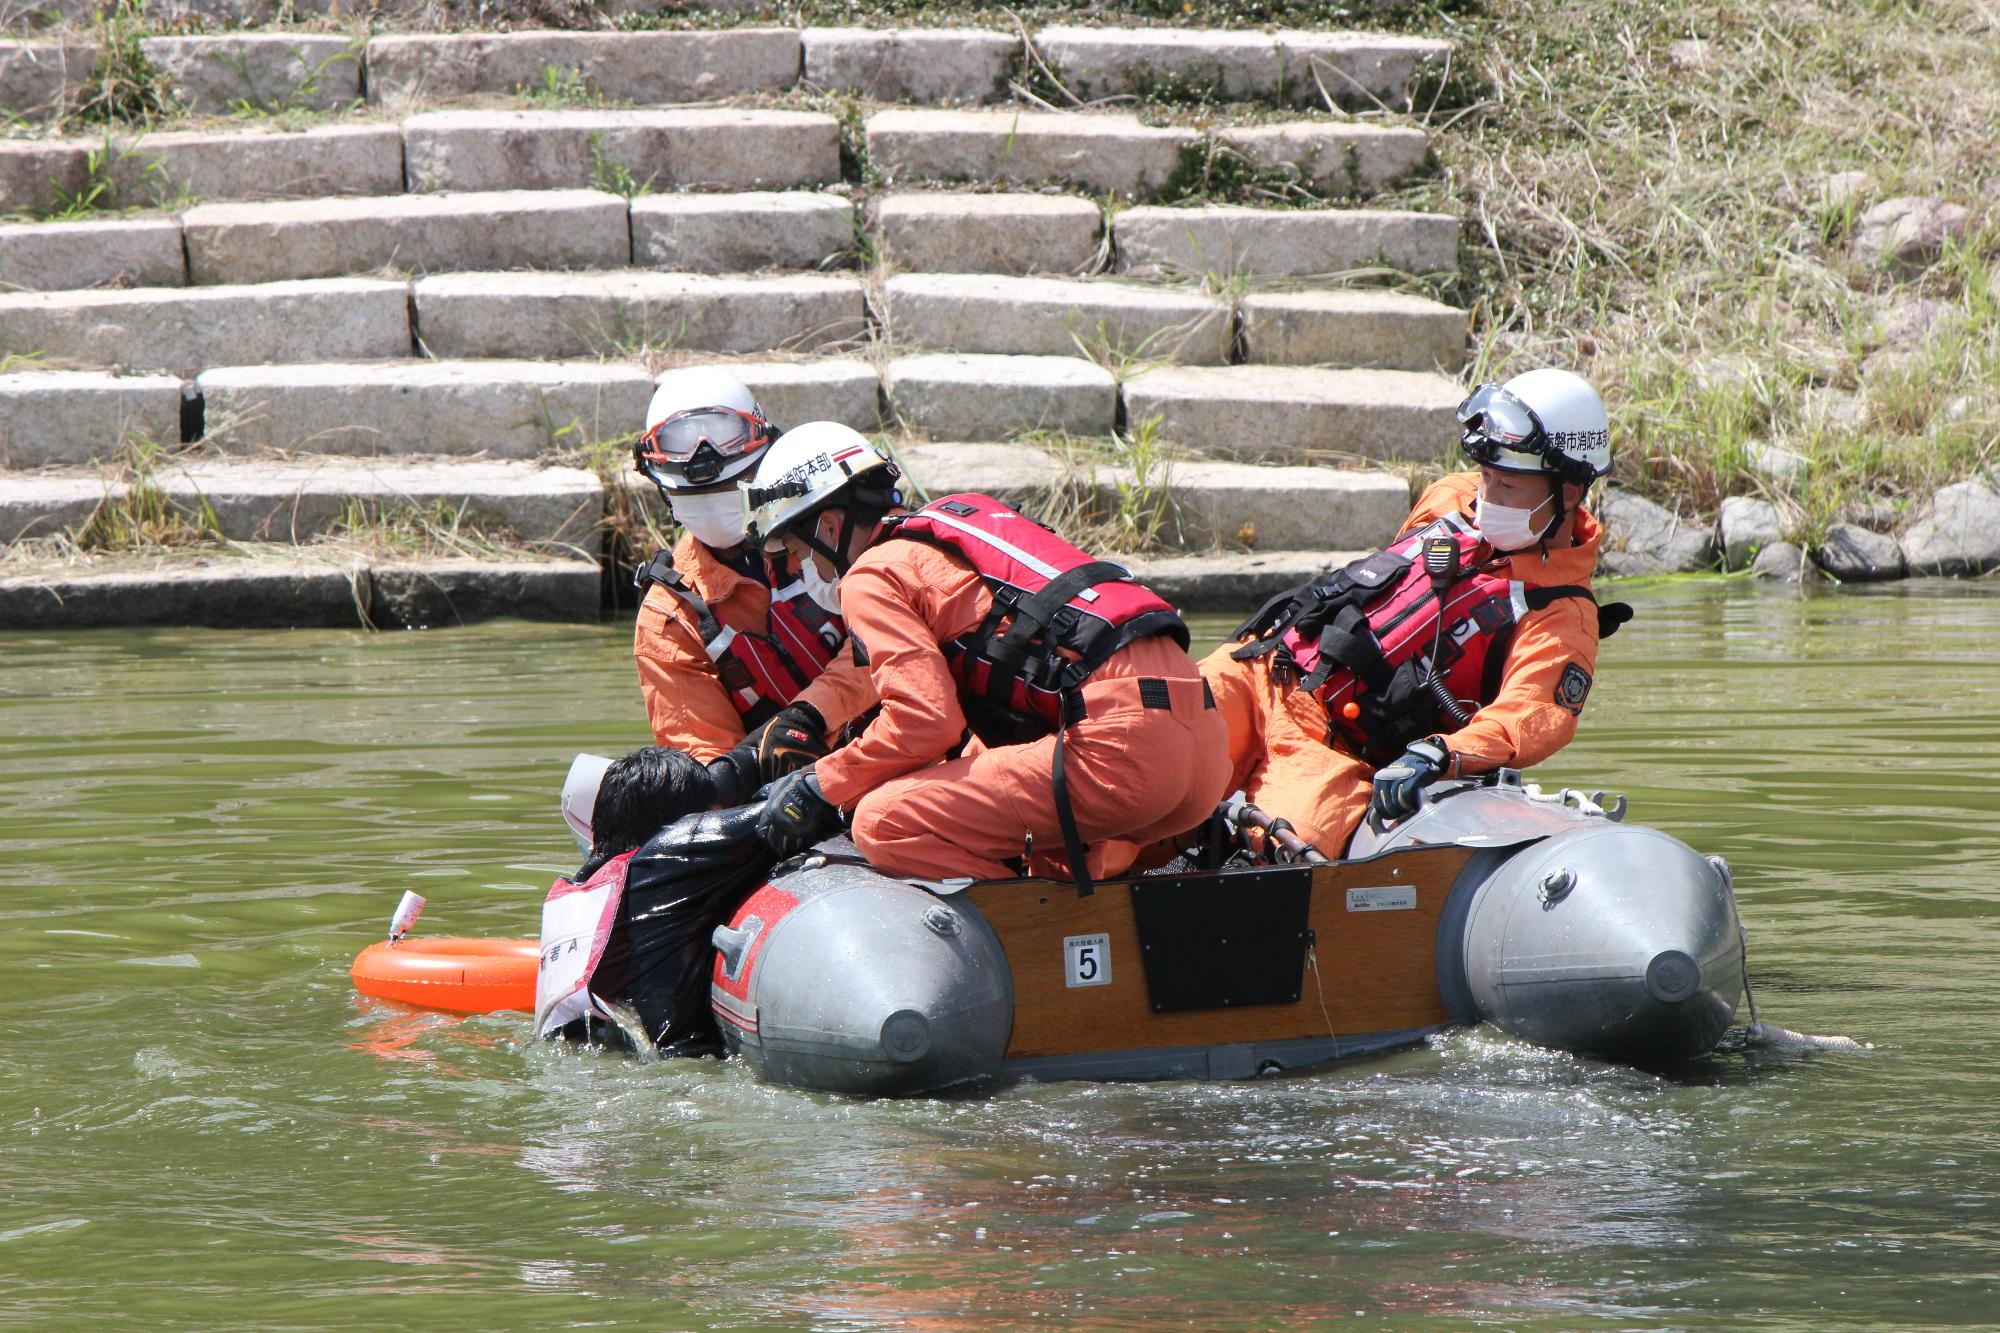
(579, 796)
(811, 467)
(702, 427)
(1545, 420)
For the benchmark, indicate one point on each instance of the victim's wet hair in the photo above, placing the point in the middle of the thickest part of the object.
(644, 792)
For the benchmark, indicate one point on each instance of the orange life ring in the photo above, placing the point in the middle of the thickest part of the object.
(460, 976)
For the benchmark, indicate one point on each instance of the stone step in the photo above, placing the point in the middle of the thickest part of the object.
(267, 71)
(937, 66)
(1288, 414)
(988, 233)
(296, 500)
(1207, 504)
(1053, 317)
(657, 151)
(570, 229)
(1356, 327)
(1119, 155)
(1283, 243)
(641, 67)
(167, 328)
(1333, 158)
(661, 150)
(1229, 582)
(831, 389)
(290, 69)
(1110, 153)
(37, 78)
(274, 586)
(419, 233)
(89, 252)
(56, 417)
(164, 170)
(1357, 70)
(504, 409)
(960, 397)
(736, 233)
(555, 315)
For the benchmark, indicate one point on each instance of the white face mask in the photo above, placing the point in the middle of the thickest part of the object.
(1506, 528)
(715, 520)
(822, 590)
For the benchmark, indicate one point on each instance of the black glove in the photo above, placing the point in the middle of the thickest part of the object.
(734, 775)
(796, 815)
(790, 740)
(793, 738)
(1396, 786)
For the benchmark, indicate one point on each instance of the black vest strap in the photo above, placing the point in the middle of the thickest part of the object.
(1073, 845)
(1033, 615)
(659, 569)
(1349, 642)
(705, 621)
(1610, 615)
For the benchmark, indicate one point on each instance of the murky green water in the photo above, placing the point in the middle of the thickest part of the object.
(201, 1126)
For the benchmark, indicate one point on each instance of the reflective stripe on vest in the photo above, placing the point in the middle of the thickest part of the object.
(761, 673)
(1058, 614)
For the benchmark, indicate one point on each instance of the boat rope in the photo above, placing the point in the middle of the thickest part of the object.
(1760, 1033)
(1319, 992)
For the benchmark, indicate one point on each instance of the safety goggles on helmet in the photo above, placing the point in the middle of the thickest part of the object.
(724, 429)
(1502, 431)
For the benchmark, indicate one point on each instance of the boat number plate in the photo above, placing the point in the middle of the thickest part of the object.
(1389, 898)
(1086, 960)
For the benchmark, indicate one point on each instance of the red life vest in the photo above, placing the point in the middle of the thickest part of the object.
(1058, 614)
(1364, 639)
(761, 672)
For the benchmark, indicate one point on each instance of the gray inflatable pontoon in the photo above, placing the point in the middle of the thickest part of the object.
(1542, 914)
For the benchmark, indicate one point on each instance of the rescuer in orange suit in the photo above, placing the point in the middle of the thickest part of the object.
(738, 664)
(1539, 441)
(1091, 723)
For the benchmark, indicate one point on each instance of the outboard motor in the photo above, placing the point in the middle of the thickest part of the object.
(1573, 930)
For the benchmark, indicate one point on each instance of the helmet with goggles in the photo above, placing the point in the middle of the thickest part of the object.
(702, 427)
(1548, 421)
(818, 466)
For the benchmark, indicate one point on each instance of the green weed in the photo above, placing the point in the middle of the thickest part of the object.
(124, 86)
(612, 176)
(136, 513)
(435, 530)
(560, 88)
(100, 192)
(1147, 508)
(1209, 172)
(1111, 494)
(1112, 349)
(297, 102)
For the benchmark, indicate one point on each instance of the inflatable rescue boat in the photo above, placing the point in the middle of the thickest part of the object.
(1543, 914)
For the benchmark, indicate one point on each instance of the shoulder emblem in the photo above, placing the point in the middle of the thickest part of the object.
(1573, 687)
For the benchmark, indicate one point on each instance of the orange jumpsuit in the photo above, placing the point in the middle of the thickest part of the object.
(685, 700)
(1135, 773)
(1278, 751)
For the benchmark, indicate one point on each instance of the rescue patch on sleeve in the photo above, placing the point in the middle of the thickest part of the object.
(1573, 688)
(861, 653)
